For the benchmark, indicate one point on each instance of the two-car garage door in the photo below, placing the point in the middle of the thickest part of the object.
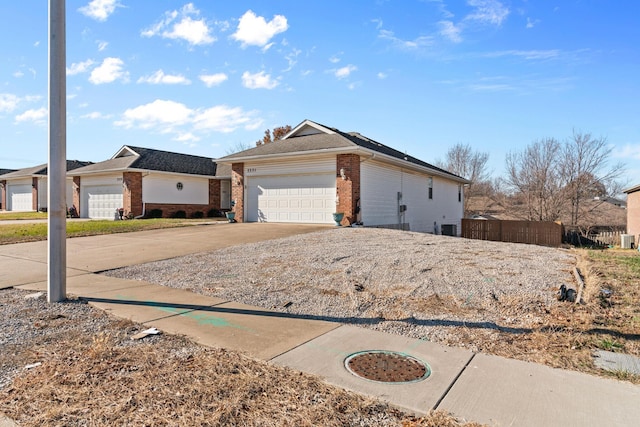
(299, 198)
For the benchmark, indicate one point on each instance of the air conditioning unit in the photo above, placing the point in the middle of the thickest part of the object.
(626, 241)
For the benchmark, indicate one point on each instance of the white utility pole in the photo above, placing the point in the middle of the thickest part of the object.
(57, 169)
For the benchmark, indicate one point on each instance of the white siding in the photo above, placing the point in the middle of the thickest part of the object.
(380, 185)
(43, 191)
(291, 167)
(164, 189)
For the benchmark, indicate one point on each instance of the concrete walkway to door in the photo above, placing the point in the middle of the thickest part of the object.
(475, 386)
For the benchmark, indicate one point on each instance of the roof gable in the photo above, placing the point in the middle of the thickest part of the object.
(311, 137)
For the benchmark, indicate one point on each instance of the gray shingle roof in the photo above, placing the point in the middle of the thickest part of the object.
(43, 169)
(4, 171)
(158, 160)
(324, 141)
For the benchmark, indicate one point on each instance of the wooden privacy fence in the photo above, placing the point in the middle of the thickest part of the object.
(531, 232)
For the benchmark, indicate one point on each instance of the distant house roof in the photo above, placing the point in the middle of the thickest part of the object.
(632, 189)
(5, 171)
(313, 138)
(41, 170)
(140, 158)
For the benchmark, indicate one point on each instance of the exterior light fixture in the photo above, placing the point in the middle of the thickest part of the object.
(343, 174)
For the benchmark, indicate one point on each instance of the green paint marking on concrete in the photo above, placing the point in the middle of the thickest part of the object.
(201, 318)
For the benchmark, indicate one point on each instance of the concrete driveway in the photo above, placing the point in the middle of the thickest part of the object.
(25, 263)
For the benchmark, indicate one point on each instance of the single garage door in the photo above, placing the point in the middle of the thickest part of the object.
(101, 201)
(293, 198)
(19, 197)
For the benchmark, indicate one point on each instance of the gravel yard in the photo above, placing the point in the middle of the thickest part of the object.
(439, 288)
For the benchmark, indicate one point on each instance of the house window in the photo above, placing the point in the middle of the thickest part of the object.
(459, 193)
(179, 186)
(430, 180)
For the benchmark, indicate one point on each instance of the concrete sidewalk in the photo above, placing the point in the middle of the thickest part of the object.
(478, 387)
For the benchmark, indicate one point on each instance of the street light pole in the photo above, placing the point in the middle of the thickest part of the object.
(57, 168)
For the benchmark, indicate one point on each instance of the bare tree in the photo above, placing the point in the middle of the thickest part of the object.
(272, 136)
(584, 165)
(461, 160)
(534, 174)
(237, 147)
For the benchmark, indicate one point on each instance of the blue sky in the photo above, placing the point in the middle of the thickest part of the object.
(419, 75)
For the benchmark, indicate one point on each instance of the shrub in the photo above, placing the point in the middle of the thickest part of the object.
(214, 213)
(179, 214)
(197, 215)
(155, 213)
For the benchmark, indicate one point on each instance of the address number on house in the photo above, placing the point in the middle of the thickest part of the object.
(250, 170)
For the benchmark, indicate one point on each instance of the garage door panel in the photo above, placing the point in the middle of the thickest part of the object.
(305, 198)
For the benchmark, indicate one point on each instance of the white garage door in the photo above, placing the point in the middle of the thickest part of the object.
(19, 197)
(299, 198)
(101, 201)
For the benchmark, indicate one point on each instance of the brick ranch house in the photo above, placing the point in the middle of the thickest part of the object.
(316, 170)
(26, 189)
(140, 180)
(633, 212)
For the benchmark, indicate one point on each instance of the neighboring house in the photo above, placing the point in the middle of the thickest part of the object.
(26, 189)
(317, 170)
(2, 172)
(139, 180)
(633, 212)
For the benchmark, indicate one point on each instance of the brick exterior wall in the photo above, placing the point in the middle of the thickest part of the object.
(348, 190)
(214, 194)
(237, 190)
(76, 193)
(633, 215)
(132, 193)
(3, 195)
(34, 194)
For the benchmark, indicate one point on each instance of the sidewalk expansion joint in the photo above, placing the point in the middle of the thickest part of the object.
(339, 325)
(455, 380)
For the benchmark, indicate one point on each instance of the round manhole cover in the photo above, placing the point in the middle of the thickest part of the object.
(387, 366)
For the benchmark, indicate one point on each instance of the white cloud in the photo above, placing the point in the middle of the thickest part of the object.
(344, 72)
(532, 23)
(96, 115)
(38, 116)
(170, 117)
(259, 80)
(488, 11)
(159, 77)
(211, 80)
(292, 58)
(18, 74)
(8, 102)
(628, 151)
(256, 31)
(99, 9)
(450, 31)
(181, 25)
(223, 119)
(102, 45)
(109, 71)
(382, 75)
(417, 43)
(334, 59)
(526, 54)
(187, 137)
(79, 67)
(164, 114)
